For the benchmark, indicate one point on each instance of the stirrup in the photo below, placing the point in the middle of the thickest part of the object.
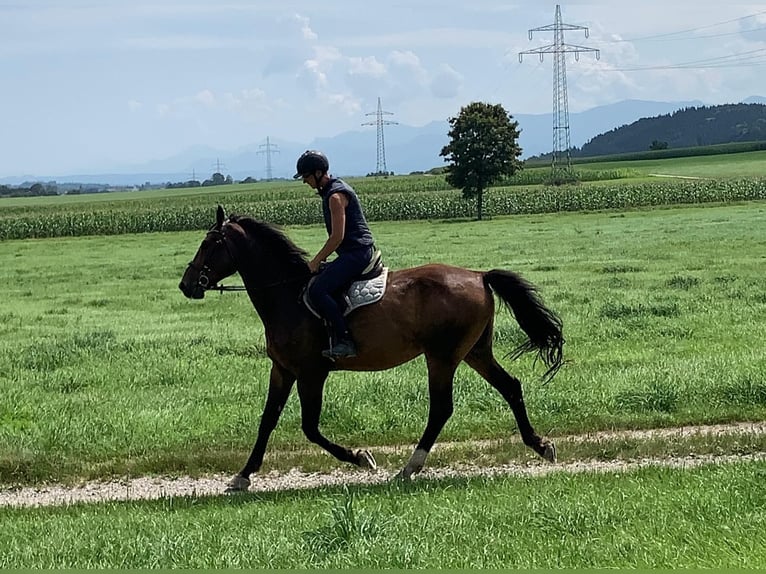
(341, 350)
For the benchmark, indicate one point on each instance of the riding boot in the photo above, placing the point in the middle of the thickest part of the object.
(344, 348)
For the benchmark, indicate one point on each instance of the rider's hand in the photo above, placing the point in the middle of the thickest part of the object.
(314, 266)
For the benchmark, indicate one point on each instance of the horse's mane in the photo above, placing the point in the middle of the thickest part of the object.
(272, 240)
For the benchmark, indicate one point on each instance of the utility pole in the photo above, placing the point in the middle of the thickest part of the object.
(218, 166)
(380, 122)
(561, 161)
(268, 149)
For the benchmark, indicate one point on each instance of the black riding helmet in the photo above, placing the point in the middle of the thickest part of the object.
(310, 161)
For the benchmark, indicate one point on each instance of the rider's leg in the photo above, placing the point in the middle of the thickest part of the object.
(337, 275)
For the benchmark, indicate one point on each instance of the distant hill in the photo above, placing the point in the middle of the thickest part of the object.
(687, 127)
(416, 148)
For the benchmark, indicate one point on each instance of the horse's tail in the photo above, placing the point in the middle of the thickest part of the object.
(542, 326)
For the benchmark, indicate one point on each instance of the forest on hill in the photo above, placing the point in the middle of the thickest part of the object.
(687, 127)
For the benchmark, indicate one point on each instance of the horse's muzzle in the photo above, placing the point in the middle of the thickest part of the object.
(195, 291)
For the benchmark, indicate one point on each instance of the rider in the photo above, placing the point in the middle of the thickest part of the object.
(348, 236)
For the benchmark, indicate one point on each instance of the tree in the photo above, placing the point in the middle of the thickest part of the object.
(216, 179)
(483, 148)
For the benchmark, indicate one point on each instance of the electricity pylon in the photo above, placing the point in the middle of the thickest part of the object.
(561, 161)
(268, 149)
(380, 122)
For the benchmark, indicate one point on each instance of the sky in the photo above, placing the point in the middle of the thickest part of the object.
(95, 86)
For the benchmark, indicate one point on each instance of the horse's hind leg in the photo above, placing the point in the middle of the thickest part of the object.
(310, 391)
(483, 362)
(441, 374)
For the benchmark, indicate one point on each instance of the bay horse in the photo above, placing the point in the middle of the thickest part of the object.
(445, 313)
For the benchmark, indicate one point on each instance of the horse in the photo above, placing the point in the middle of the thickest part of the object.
(443, 312)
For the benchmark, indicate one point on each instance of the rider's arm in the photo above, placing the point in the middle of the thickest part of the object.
(338, 203)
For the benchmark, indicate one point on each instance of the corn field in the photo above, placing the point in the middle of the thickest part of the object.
(293, 205)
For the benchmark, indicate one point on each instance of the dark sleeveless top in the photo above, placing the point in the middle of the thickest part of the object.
(357, 234)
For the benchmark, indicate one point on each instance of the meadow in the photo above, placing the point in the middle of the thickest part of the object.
(710, 517)
(107, 371)
(737, 165)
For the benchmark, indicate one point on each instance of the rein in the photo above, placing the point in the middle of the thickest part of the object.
(222, 288)
(203, 281)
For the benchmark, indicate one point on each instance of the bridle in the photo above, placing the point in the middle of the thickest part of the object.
(203, 279)
(204, 270)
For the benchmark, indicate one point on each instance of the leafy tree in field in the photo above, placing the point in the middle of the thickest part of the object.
(483, 149)
(216, 179)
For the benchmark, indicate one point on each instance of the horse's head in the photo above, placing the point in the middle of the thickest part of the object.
(213, 261)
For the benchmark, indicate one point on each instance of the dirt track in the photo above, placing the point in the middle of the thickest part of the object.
(158, 487)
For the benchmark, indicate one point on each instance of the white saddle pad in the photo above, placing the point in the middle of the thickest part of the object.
(359, 294)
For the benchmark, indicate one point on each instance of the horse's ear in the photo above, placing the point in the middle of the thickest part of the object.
(219, 217)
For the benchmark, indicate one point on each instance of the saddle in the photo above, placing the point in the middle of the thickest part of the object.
(368, 288)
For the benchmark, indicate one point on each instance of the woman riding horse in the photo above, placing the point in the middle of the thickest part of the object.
(445, 313)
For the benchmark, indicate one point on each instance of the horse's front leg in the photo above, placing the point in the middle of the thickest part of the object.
(280, 384)
(310, 391)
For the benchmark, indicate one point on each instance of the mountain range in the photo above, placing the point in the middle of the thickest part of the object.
(407, 148)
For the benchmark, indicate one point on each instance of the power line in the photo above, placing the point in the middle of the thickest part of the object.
(741, 59)
(656, 36)
(561, 141)
(751, 58)
(381, 168)
(692, 38)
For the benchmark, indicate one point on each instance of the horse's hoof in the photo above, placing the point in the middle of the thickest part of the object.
(238, 484)
(408, 473)
(402, 477)
(549, 453)
(366, 460)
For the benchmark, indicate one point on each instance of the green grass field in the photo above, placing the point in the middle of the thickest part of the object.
(747, 164)
(709, 517)
(108, 369)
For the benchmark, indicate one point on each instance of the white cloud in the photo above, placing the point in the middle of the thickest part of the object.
(446, 83)
(368, 66)
(227, 71)
(206, 98)
(249, 105)
(253, 105)
(306, 32)
(314, 69)
(347, 103)
(407, 65)
(444, 37)
(186, 106)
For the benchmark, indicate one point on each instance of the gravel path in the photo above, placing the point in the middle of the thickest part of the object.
(144, 488)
